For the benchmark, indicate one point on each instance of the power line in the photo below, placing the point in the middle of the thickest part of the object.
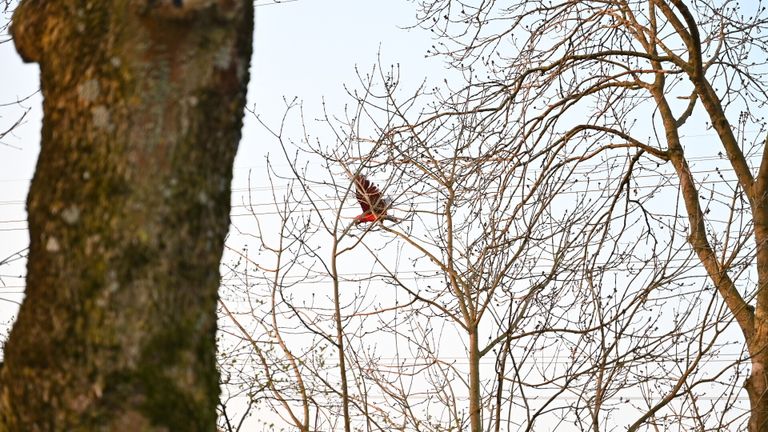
(585, 167)
(238, 192)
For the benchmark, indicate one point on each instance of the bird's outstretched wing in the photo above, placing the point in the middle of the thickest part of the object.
(369, 196)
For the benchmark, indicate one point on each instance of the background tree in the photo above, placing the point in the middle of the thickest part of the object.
(512, 243)
(683, 84)
(128, 210)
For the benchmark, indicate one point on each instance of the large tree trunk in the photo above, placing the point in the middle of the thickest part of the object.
(757, 388)
(128, 209)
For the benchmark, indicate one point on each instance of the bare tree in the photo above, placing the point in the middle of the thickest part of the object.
(523, 232)
(298, 338)
(128, 211)
(510, 295)
(682, 84)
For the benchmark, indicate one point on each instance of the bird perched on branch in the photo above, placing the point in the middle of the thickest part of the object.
(374, 204)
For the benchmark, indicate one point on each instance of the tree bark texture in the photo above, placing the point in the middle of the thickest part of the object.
(128, 210)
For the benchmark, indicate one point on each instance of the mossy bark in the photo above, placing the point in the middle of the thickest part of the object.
(128, 210)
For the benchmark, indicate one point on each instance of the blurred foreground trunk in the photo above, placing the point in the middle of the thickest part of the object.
(128, 210)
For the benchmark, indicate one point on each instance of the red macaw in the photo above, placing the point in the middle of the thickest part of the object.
(374, 205)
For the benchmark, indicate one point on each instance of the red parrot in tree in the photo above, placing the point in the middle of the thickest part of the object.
(374, 205)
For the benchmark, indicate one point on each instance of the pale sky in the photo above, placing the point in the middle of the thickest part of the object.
(306, 48)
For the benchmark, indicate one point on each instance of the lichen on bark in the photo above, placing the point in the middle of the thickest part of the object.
(128, 209)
